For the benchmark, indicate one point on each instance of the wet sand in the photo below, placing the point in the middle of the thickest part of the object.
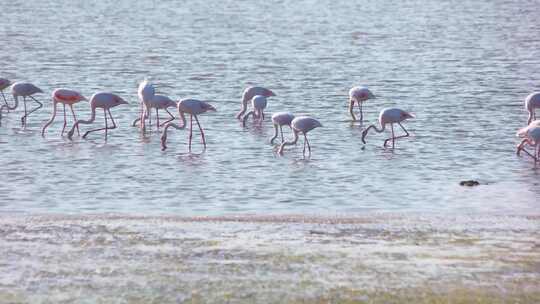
(380, 258)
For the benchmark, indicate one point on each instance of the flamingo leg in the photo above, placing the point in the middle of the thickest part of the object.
(74, 119)
(65, 120)
(262, 114)
(528, 153)
(23, 119)
(247, 116)
(281, 130)
(307, 141)
(5, 100)
(157, 118)
(101, 129)
(202, 132)
(40, 105)
(190, 130)
(171, 119)
(149, 113)
(361, 113)
(521, 144)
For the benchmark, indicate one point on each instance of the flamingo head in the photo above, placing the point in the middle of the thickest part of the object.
(208, 107)
(119, 100)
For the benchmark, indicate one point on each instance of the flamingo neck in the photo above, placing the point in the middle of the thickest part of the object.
(275, 134)
(289, 143)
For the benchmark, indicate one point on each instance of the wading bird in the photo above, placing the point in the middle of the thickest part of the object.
(146, 92)
(23, 89)
(248, 94)
(281, 119)
(158, 102)
(531, 135)
(258, 102)
(65, 97)
(4, 84)
(105, 101)
(532, 102)
(358, 95)
(193, 107)
(390, 116)
(302, 124)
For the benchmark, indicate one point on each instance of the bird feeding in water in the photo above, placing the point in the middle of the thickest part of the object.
(258, 102)
(531, 136)
(358, 95)
(158, 102)
(24, 90)
(145, 92)
(65, 97)
(532, 102)
(248, 94)
(102, 100)
(302, 124)
(193, 107)
(389, 116)
(279, 120)
(4, 84)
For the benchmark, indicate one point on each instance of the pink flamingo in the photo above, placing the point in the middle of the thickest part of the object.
(281, 119)
(531, 135)
(193, 107)
(23, 89)
(158, 102)
(4, 84)
(145, 92)
(532, 102)
(358, 95)
(65, 97)
(249, 93)
(103, 100)
(302, 124)
(390, 116)
(259, 103)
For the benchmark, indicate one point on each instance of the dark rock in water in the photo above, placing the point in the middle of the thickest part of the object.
(469, 183)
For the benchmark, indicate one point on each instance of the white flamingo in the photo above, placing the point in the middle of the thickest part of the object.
(302, 124)
(390, 116)
(24, 90)
(281, 119)
(158, 102)
(258, 103)
(248, 94)
(358, 95)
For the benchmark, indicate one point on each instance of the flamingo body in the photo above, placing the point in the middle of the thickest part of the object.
(24, 90)
(146, 92)
(390, 116)
(531, 136)
(65, 97)
(532, 102)
(302, 124)
(158, 102)
(248, 95)
(193, 107)
(105, 101)
(358, 95)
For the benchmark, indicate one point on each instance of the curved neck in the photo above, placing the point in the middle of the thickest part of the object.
(52, 118)
(289, 143)
(275, 134)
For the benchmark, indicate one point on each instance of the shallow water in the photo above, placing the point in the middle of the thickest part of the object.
(464, 68)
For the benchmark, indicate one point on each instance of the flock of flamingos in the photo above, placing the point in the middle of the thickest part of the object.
(256, 95)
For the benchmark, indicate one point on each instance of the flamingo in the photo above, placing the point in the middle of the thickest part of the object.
(531, 135)
(23, 89)
(145, 92)
(193, 107)
(158, 102)
(302, 124)
(259, 104)
(65, 97)
(249, 93)
(103, 100)
(4, 83)
(390, 116)
(280, 119)
(532, 102)
(358, 95)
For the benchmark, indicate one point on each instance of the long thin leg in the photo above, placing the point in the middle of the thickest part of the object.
(521, 144)
(528, 153)
(65, 120)
(190, 130)
(106, 126)
(157, 118)
(23, 119)
(100, 129)
(307, 141)
(202, 132)
(304, 150)
(40, 105)
(171, 119)
(281, 130)
(361, 114)
(74, 118)
(5, 100)
(149, 116)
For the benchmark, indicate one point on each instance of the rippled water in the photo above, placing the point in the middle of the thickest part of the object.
(463, 67)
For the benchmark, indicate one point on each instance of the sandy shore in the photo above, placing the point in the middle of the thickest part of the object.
(276, 259)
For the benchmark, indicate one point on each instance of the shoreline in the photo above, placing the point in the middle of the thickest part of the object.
(291, 259)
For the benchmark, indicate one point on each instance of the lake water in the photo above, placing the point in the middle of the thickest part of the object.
(239, 222)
